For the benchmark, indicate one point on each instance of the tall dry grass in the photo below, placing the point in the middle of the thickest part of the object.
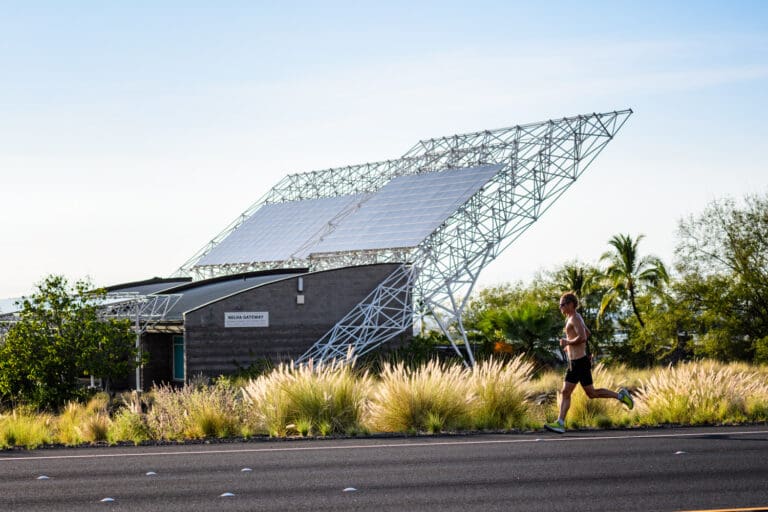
(84, 423)
(24, 429)
(195, 412)
(312, 399)
(499, 394)
(433, 398)
(704, 392)
(336, 399)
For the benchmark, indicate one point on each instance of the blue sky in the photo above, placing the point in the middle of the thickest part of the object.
(132, 133)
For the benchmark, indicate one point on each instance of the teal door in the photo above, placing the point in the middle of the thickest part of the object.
(178, 358)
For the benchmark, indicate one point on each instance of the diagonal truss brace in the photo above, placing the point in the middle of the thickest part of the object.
(540, 162)
(382, 315)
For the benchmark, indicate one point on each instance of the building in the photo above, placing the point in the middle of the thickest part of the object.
(226, 324)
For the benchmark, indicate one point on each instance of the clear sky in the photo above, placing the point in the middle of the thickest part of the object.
(131, 133)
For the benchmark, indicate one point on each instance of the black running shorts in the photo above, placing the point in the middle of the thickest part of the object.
(580, 371)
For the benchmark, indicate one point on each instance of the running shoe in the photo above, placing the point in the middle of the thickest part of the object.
(555, 426)
(626, 398)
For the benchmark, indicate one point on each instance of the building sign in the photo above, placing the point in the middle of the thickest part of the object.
(246, 319)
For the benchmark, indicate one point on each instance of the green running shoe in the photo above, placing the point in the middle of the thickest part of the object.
(555, 426)
(626, 398)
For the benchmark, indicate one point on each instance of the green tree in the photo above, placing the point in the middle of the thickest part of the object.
(728, 245)
(110, 353)
(58, 339)
(667, 334)
(628, 274)
(527, 318)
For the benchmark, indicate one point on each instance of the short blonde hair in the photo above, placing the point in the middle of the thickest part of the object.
(570, 297)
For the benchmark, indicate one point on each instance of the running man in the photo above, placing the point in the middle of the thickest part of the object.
(579, 364)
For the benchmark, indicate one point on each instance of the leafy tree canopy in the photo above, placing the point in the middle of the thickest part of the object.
(58, 339)
(723, 262)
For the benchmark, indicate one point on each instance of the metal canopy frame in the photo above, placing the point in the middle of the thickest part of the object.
(143, 310)
(539, 162)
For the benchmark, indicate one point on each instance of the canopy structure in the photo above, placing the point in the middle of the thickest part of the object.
(444, 210)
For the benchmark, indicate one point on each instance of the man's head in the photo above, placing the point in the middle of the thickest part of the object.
(568, 303)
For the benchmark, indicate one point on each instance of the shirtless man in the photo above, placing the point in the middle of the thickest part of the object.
(579, 364)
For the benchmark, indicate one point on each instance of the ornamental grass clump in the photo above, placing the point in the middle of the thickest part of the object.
(21, 429)
(84, 423)
(311, 399)
(703, 392)
(499, 393)
(266, 402)
(431, 398)
(128, 425)
(195, 412)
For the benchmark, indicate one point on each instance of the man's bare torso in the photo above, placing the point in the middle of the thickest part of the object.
(575, 328)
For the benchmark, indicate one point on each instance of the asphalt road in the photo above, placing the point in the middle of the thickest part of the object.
(643, 470)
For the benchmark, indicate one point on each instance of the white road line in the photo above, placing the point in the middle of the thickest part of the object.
(376, 446)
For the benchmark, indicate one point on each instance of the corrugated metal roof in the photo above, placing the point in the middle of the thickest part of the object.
(146, 287)
(199, 293)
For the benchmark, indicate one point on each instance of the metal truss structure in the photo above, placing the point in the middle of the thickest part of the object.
(384, 314)
(539, 162)
(143, 310)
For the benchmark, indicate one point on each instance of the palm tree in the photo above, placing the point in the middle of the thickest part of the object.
(627, 272)
(575, 277)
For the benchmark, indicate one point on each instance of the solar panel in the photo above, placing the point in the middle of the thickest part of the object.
(276, 231)
(406, 210)
(400, 214)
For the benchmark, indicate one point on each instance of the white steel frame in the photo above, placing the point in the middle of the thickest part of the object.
(540, 161)
(143, 310)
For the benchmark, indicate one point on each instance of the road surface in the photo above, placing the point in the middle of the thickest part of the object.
(621, 470)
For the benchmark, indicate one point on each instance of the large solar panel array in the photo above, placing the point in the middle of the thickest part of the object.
(399, 215)
(406, 210)
(276, 231)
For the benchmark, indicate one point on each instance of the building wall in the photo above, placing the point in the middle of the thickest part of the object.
(158, 348)
(212, 349)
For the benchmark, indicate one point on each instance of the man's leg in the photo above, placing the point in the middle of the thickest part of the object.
(565, 404)
(622, 396)
(565, 400)
(599, 392)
